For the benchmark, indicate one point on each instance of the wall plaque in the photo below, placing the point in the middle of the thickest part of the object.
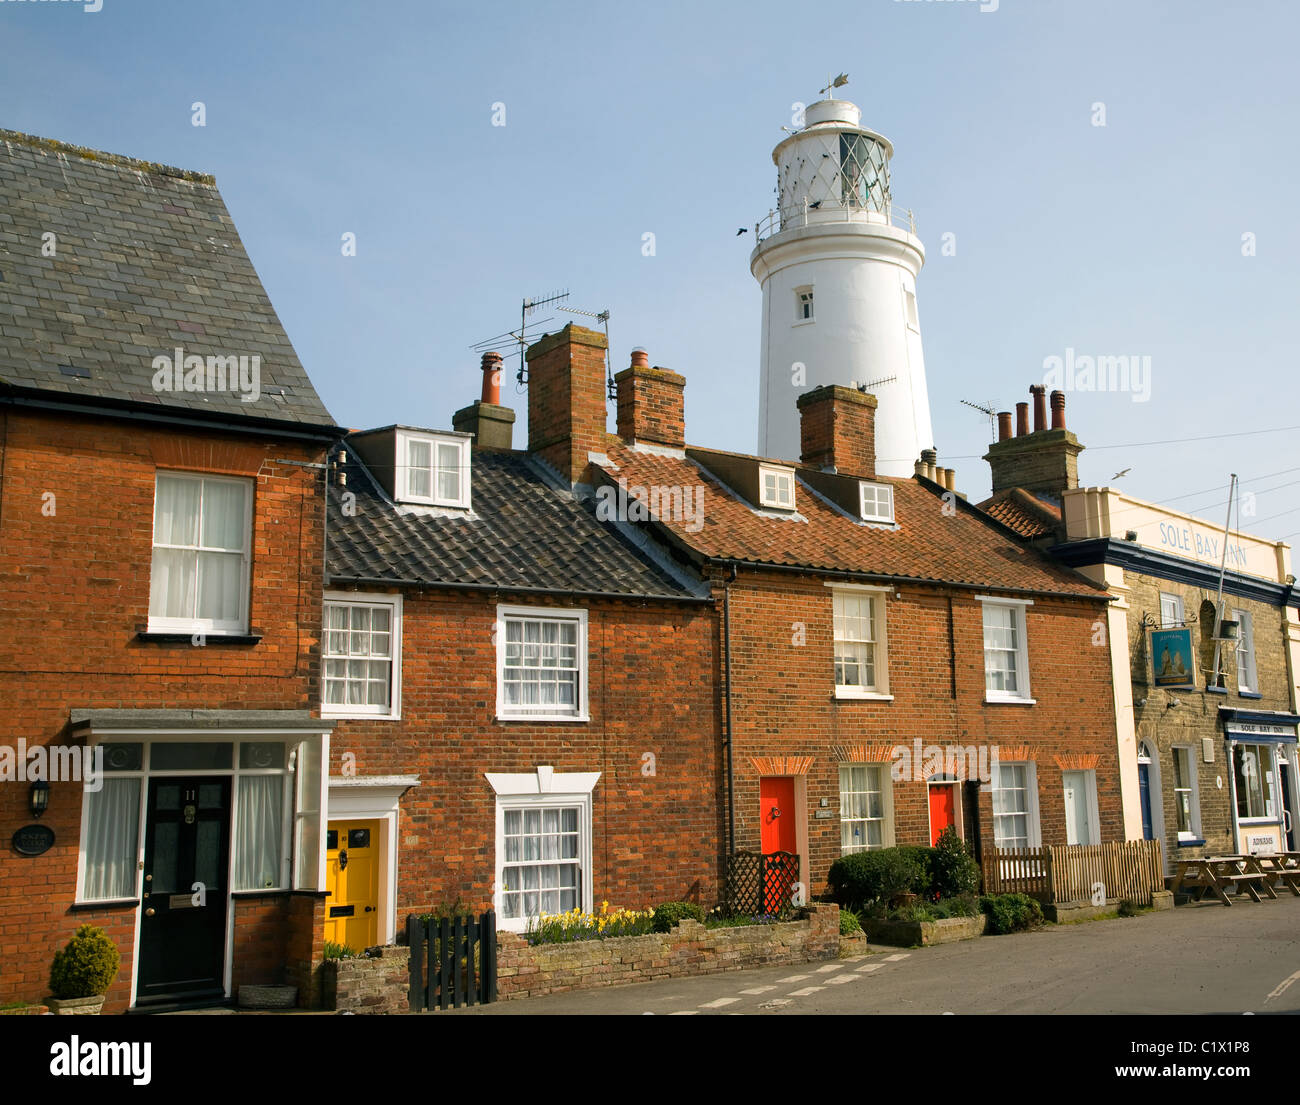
(32, 840)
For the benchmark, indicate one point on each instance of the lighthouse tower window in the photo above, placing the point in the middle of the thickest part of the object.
(803, 304)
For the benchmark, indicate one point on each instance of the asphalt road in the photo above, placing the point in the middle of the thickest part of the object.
(1198, 958)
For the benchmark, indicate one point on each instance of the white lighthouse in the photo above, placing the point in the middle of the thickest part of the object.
(838, 266)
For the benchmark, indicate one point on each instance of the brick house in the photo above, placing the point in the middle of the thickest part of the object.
(1208, 737)
(867, 624)
(523, 694)
(161, 541)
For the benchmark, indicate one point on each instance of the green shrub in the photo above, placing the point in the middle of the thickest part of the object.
(740, 920)
(86, 966)
(1128, 908)
(953, 870)
(339, 951)
(669, 913)
(849, 923)
(1012, 912)
(866, 878)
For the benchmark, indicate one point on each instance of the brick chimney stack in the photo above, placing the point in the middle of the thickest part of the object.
(491, 424)
(1045, 460)
(837, 429)
(566, 399)
(651, 405)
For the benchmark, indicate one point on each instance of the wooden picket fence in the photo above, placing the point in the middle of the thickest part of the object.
(461, 957)
(1061, 873)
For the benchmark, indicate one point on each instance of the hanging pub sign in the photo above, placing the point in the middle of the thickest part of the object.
(1172, 659)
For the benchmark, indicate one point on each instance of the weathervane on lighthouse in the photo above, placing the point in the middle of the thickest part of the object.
(838, 263)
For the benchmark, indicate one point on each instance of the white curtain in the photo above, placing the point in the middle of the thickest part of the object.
(257, 832)
(112, 838)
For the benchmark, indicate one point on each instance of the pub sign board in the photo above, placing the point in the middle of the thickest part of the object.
(33, 840)
(1173, 662)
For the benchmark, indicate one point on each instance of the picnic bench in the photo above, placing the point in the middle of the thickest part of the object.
(1219, 874)
(1283, 867)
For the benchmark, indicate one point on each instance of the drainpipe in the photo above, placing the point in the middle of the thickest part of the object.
(726, 659)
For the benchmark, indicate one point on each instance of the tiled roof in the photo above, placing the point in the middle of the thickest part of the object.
(957, 545)
(525, 533)
(145, 259)
(1027, 514)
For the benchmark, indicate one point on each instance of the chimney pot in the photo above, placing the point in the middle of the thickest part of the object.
(1039, 392)
(492, 378)
(1058, 410)
(1004, 425)
(640, 358)
(1022, 419)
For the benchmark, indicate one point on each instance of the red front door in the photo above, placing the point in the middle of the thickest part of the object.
(776, 797)
(942, 810)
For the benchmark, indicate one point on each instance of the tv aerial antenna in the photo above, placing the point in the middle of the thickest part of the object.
(992, 414)
(603, 317)
(528, 332)
(866, 388)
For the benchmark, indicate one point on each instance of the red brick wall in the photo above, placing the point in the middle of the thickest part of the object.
(74, 590)
(566, 399)
(655, 838)
(783, 703)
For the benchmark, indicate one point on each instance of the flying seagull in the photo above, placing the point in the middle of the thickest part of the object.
(742, 230)
(814, 206)
(1117, 475)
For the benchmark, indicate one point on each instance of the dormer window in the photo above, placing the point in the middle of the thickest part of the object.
(877, 502)
(776, 487)
(432, 469)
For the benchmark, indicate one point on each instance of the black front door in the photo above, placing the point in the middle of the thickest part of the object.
(183, 929)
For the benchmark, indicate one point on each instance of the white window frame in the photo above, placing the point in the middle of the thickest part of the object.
(1266, 772)
(879, 691)
(1176, 602)
(393, 711)
(402, 484)
(1032, 827)
(1247, 672)
(208, 626)
(805, 305)
(884, 787)
(1193, 831)
(543, 789)
(782, 476)
(574, 615)
(874, 513)
(1023, 696)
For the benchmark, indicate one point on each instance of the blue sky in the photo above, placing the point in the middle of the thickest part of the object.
(376, 119)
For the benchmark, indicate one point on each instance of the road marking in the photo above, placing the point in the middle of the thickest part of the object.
(758, 990)
(793, 978)
(869, 967)
(776, 1003)
(806, 991)
(719, 1003)
(682, 1013)
(896, 958)
(828, 967)
(1280, 989)
(842, 978)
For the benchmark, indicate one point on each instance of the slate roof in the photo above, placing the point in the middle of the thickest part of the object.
(1028, 514)
(525, 534)
(146, 259)
(928, 544)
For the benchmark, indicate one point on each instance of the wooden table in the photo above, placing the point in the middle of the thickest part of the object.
(1283, 867)
(1218, 874)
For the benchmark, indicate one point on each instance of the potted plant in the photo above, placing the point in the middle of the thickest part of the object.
(83, 971)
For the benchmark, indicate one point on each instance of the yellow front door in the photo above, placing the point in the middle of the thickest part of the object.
(352, 884)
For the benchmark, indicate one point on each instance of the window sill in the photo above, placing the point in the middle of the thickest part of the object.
(1010, 701)
(1190, 842)
(334, 715)
(1249, 694)
(1216, 690)
(171, 637)
(803, 322)
(110, 903)
(573, 718)
(267, 892)
(844, 694)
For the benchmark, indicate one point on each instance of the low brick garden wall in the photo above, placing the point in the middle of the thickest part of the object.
(690, 949)
(377, 983)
